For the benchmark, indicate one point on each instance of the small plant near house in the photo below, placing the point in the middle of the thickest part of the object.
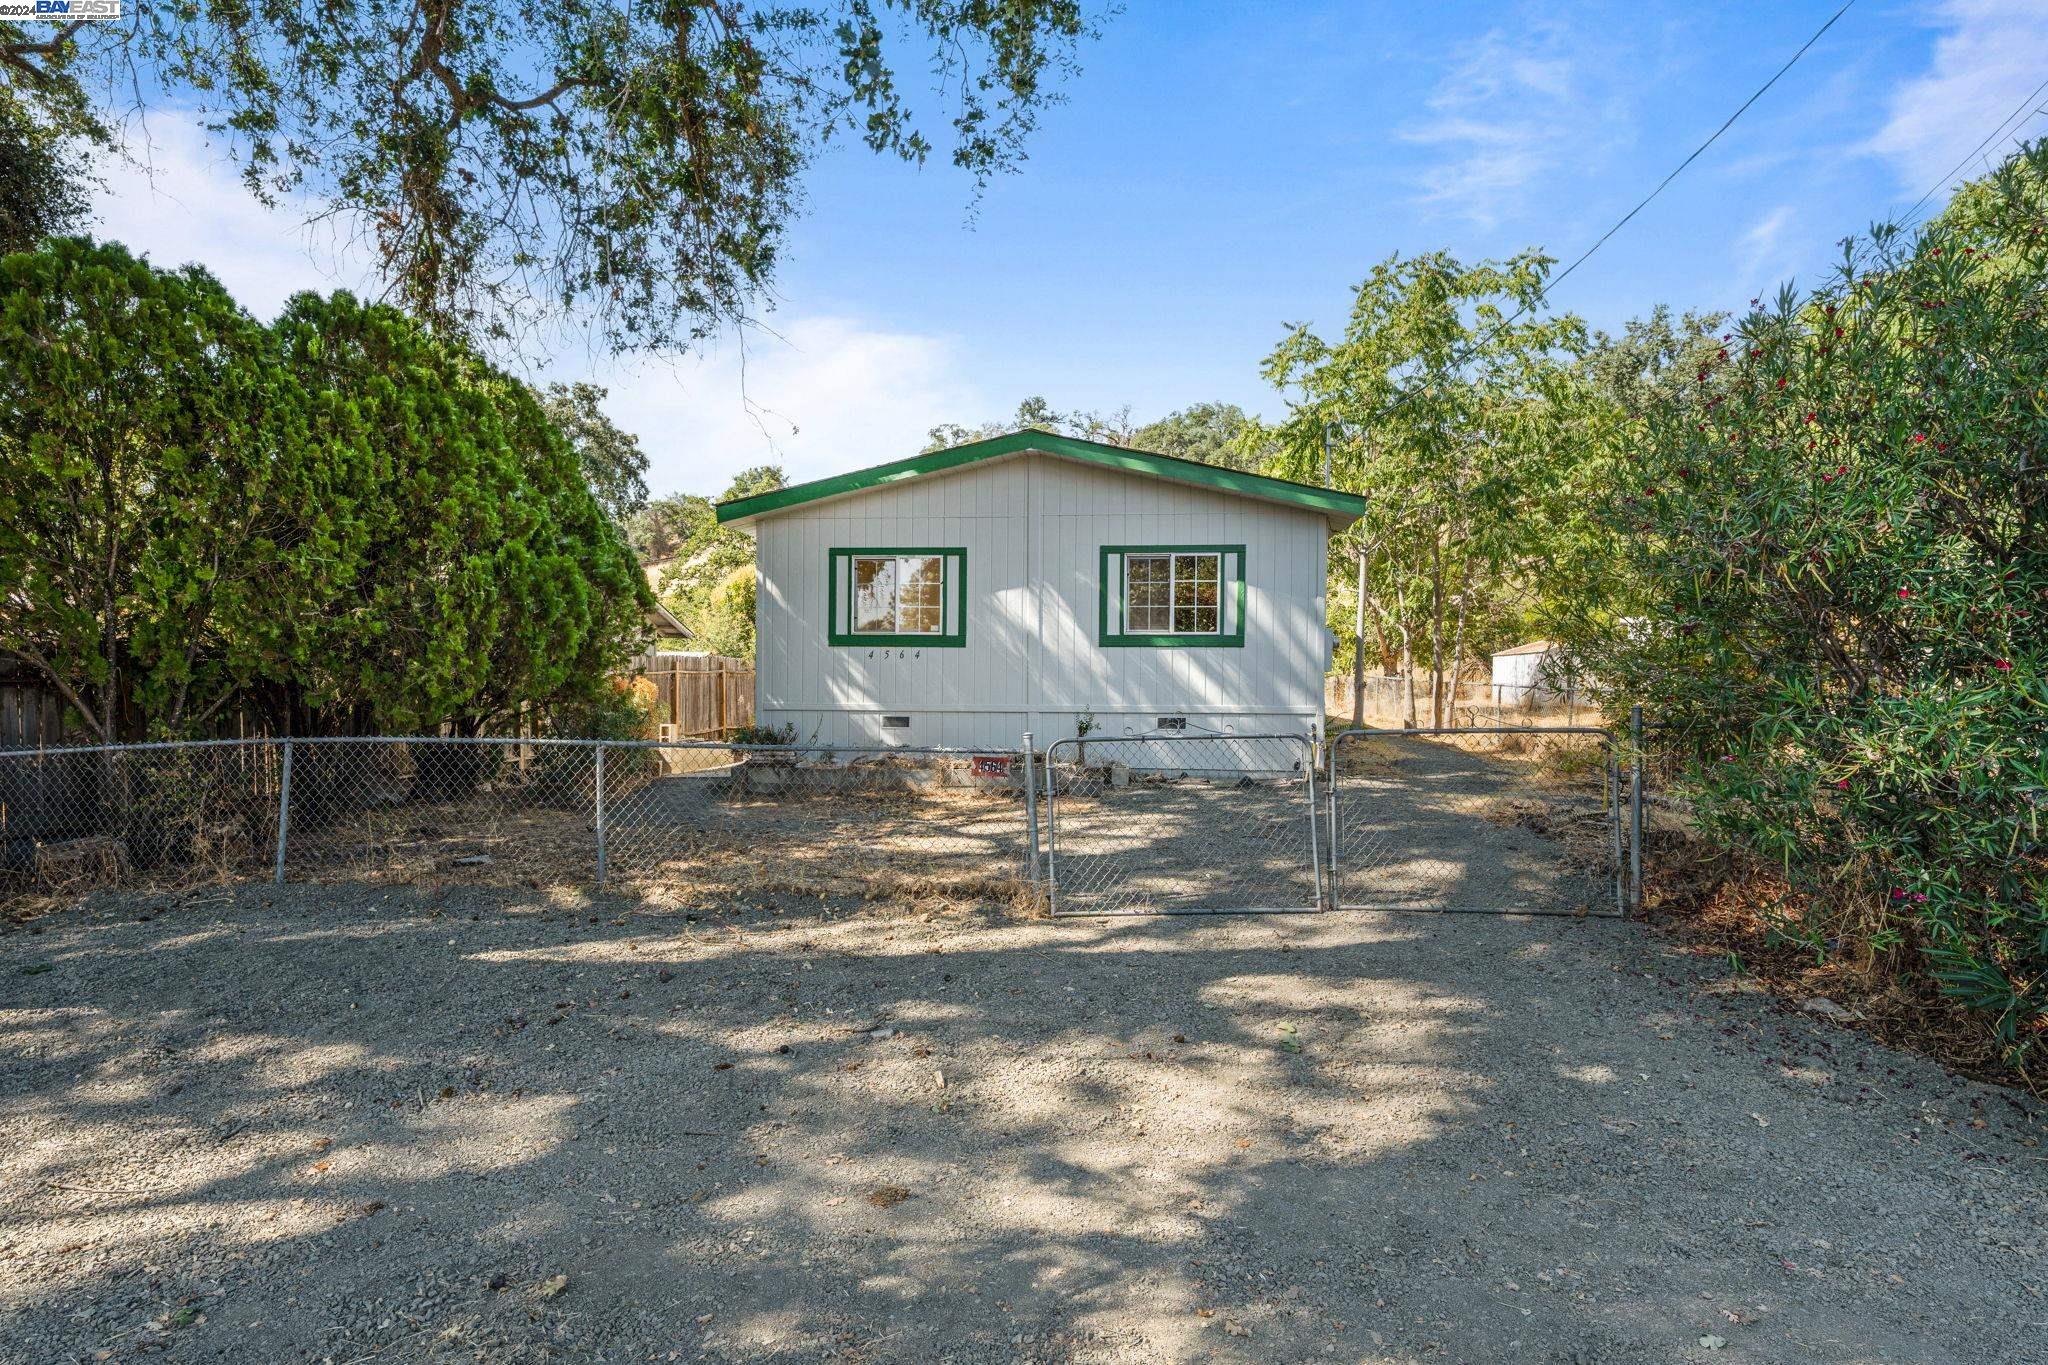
(763, 734)
(1084, 726)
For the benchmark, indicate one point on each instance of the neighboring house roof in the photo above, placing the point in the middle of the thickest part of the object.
(1533, 647)
(1339, 509)
(665, 623)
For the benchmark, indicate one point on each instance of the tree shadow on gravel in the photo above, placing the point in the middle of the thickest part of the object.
(326, 1122)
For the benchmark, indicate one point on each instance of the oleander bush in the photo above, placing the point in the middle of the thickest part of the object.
(1832, 569)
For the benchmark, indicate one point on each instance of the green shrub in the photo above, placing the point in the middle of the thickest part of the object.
(763, 734)
(623, 711)
(344, 523)
(1837, 546)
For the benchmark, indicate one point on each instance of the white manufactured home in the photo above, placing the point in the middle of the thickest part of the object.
(1036, 582)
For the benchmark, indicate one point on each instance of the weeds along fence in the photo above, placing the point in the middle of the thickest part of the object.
(707, 817)
(96, 816)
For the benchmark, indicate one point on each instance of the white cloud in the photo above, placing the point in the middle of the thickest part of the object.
(1509, 112)
(821, 394)
(1992, 54)
(1762, 249)
(828, 395)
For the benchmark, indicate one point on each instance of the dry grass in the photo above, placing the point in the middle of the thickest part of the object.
(415, 843)
(920, 849)
(931, 850)
(58, 873)
(1371, 757)
(1549, 760)
(678, 882)
(1727, 905)
(1584, 831)
(79, 864)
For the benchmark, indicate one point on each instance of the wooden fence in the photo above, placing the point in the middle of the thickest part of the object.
(699, 696)
(31, 715)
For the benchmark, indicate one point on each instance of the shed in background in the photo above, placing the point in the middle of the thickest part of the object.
(1529, 675)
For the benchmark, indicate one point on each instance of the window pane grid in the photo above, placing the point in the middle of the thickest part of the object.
(874, 596)
(899, 595)
(1179, 594)
(1150, 581)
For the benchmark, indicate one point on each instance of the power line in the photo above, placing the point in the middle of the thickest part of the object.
(1972, 155)
(1725, 126)
(1543, 293)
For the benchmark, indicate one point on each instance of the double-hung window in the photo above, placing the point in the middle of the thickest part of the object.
(898, 594)
(1172, 596)
(904, 597)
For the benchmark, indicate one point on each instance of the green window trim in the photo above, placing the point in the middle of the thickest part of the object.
(838, 572)
(1109, 620)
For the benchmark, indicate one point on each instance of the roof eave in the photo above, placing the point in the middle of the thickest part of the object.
(1338, 509)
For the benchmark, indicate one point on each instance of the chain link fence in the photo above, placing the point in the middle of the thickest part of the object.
(1182, 823)
(1496, 819)
(899, 823)
(408, 809)
(702, 817)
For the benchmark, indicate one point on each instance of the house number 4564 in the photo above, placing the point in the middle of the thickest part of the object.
(895, 654)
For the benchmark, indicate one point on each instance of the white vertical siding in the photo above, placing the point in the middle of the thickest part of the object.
(1031, 660)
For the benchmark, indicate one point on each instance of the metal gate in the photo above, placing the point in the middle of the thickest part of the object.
(1523, 820)
(1198, 823)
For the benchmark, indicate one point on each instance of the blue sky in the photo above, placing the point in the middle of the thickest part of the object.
(1220, 170)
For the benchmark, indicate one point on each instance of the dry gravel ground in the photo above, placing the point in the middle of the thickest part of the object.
(338, 1123)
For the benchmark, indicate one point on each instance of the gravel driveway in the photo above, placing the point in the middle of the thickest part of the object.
(1425, 824)
(338, 1123)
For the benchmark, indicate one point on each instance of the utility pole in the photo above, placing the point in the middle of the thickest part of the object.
(1358, 624)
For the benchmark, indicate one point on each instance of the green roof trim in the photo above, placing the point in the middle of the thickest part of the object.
(1341, 507)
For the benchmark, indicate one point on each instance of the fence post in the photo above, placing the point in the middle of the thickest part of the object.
(1315, 854)
(1330, 743)
(1612, 778)
(284, 809)
(1030, 816)
(1635, 807)
(1052, 833)
(600, 813)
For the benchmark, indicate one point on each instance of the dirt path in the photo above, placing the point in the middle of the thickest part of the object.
(1423, 824)
(346, 1124)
